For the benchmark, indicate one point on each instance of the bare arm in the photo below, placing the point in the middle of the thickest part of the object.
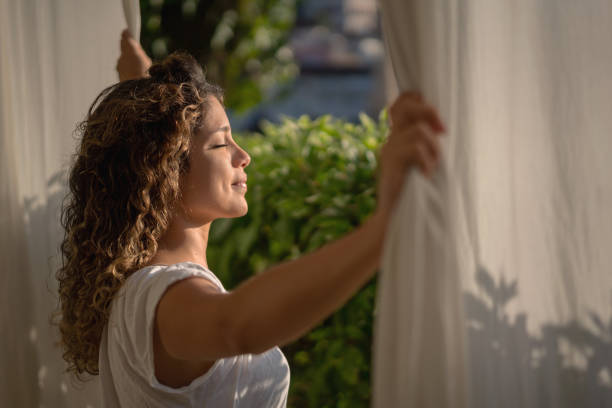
(273, 308)
(305, 291)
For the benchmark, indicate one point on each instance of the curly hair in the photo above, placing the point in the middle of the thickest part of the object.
(123, 188)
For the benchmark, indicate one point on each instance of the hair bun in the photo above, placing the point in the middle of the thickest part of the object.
(177, 68)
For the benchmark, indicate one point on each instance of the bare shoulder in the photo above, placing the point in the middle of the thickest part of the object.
(191, 321)
(194, 285)
(183, 295)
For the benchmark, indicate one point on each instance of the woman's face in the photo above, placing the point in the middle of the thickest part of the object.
(211, 188)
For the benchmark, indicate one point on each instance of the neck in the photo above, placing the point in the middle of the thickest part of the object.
(183, 241)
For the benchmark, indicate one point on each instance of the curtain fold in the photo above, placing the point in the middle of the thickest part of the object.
(55, 57)
(496, 274)
(419, 352)
(131, 11)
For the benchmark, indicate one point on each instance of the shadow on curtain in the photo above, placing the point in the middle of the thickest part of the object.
(55, 57)
(508, 361)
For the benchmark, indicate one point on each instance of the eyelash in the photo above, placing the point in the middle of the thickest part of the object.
(221, 145)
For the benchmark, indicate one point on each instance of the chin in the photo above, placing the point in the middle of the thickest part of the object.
(240, 212)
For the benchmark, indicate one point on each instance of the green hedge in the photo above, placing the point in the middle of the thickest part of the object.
(310, 182)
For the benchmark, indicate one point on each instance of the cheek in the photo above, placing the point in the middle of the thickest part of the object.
(198, 184)
(203, 185)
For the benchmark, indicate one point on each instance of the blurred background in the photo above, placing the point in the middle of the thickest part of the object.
(278, 57)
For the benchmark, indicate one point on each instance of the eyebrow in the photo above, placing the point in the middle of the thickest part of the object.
(225, 128)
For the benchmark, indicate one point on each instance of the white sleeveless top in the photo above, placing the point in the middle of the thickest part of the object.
(126, 364)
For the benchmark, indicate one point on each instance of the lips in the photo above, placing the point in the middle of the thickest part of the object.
(241, 182)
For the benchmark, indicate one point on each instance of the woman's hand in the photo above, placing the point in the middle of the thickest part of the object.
(413, 141)
(133, 62)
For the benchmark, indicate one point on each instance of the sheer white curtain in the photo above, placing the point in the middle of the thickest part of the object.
(496, 289)
(55, 57)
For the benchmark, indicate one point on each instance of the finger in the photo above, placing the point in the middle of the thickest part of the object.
(413, 95)
(128, 43)
(414, 155)
(405, 98)
(420, 133)
(426, 144)
(423, 159)
(123, 40)
(409, 113)
(124, 45)
(429, 139)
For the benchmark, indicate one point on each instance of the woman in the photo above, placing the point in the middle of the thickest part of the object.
(139, 306)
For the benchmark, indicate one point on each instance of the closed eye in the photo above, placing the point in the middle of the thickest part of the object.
(221, 145)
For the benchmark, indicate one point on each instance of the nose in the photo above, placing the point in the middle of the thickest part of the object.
(241, 158)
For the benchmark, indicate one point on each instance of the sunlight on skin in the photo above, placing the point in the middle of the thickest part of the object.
(209, 190)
